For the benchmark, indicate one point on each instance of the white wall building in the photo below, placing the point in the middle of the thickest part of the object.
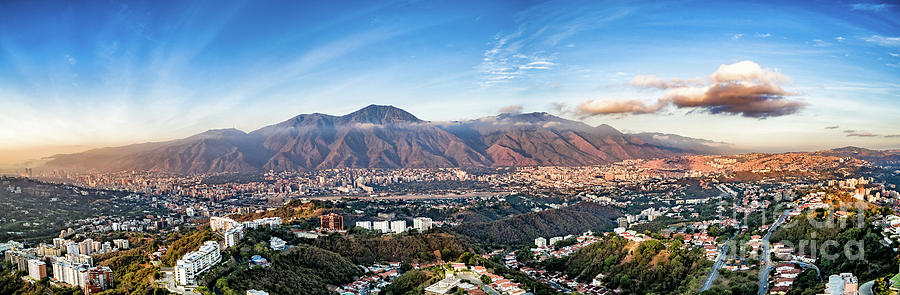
(422, 223)
(540, 242)
(233, 236)
(398, 226)
(196, 262)
(383, 226)
(364, 224)
(277, 244)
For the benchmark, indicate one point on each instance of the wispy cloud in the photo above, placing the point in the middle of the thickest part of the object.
(542, 31)
(736, 36)
(832, 127)
(508, 59)
(840, 39)
(763, 35)
(871, 7)
(820, 43)
(860, 133)
(511, 109)
(71, 59)
(883, 41)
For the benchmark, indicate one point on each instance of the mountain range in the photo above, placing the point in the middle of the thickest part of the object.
(388, 137)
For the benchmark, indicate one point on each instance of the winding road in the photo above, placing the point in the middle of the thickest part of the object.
(767, 268)
(715, 269)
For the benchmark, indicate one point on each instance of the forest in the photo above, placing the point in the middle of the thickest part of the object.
(524, 228)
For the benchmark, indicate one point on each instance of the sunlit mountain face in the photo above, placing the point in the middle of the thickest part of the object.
(758, 76)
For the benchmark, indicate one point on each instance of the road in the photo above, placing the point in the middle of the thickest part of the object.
(715, 269)
(714, 272)
(167, 280)
(767, 267)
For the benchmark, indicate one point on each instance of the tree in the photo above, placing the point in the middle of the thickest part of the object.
(485, 279)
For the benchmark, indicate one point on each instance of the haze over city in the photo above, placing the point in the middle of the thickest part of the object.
(768, 77)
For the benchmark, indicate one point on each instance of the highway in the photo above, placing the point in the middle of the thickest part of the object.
(767, 268)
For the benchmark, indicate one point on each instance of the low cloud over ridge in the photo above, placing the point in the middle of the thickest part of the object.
(743, 88)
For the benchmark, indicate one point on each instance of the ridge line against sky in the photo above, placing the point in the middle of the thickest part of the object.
(81, 75)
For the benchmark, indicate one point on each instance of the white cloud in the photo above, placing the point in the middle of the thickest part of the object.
(883, 41)
(840, 39)
(763, 35)
(71, 59)
(870, 7)
(736, 36)
(820, 43)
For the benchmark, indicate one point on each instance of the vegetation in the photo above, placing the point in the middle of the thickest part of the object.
(184, 242)
(290, 211)
(735, 283)
(407, 247)
(35, 210)
(301, 267)
(525, 228)
(846, 237)
(132, 272)
(412, 282)
(12, 283)
(645, 268)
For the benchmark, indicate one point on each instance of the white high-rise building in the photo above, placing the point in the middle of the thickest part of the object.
(196, 262)
(221, 223)
(364, 224)
(72, 248)
(383, 226)
(540, 242)
(121, 243)
(398, 226)
(233, 236)
(70, 272)
(422, 223)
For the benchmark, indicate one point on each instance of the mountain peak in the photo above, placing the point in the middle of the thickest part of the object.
(380, 114)
(219, 133)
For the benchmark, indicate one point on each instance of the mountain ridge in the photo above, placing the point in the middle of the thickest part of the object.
(379, 136)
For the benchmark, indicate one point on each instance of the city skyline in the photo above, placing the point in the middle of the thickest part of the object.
(787, 77)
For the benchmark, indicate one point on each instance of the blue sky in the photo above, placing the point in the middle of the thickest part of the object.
(94, 73)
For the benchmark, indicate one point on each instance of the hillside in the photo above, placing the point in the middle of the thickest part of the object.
(380, 137)
(525, 228)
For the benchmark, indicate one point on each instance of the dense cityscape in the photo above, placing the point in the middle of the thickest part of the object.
(725, 225)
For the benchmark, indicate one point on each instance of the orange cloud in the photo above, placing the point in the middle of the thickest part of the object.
(743, 88)
(603, 107)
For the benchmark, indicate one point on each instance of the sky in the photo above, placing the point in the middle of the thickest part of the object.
(762, 76)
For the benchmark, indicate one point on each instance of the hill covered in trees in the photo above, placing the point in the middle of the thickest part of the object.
(526, 227)
(408, 247)
(651, 267)
(302, 267)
